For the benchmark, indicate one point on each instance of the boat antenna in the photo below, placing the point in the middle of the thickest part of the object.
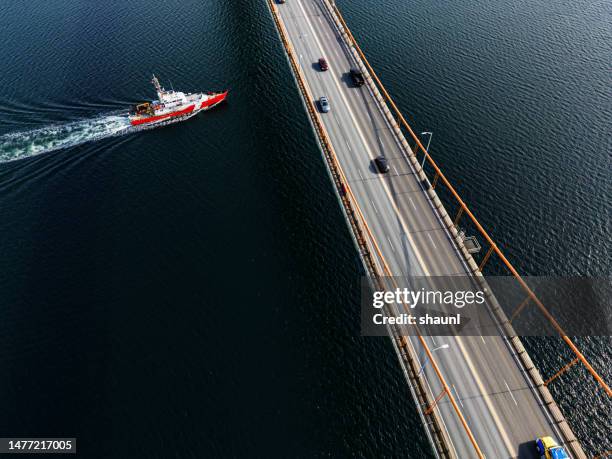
(158, 88)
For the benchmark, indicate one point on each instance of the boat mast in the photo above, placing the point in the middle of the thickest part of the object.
(158, 88)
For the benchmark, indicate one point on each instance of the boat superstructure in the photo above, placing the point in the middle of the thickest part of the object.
(172, 106)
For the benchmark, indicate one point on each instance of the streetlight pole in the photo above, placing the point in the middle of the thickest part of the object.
(444, 346)
(427, 147)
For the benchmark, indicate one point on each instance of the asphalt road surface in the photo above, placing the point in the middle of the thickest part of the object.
(497, 399)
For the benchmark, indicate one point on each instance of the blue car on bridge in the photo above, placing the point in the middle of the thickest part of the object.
(549, 449)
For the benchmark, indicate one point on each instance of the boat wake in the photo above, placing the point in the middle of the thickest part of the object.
(23, 144)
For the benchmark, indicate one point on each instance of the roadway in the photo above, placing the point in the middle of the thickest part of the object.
(496, 397)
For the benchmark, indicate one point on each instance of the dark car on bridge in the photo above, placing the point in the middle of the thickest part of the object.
(357, 77)
(382, 164)
(323, 64)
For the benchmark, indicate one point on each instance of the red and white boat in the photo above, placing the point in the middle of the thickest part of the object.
(172, 106)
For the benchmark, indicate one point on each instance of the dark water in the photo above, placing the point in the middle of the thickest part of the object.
(191, 291)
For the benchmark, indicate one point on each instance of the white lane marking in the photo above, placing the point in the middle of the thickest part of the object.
(396, 172)
(502, 431)
(375, 210)
(360, 174)
(412, 202)
(432, 241)
(483, 340)
(534, 391)
(390, 243)
(347, 144)
(433, 397)
(457, 394)
(510, 392)
(434, 341)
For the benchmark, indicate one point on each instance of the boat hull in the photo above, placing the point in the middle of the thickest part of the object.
(182, 113)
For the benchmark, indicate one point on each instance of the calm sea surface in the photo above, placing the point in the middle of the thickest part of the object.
(191, 291)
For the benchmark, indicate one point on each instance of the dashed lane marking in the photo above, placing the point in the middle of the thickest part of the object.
(432, 241)
(510, 392)
(390, 243)
(375, 209)
(457, 394)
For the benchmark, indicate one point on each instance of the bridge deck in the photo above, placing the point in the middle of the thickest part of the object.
(495, 395)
